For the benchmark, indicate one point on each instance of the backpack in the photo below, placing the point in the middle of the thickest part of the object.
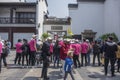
(5, 51)
(96, 48)
(24, 48)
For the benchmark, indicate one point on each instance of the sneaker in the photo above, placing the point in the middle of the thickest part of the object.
(113, 75)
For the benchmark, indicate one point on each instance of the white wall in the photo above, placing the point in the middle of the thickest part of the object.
(48, 27)
(4, 35)
(41, 11)
(112, 17)
(89, 15)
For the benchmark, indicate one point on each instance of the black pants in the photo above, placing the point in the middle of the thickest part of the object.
(118, 64)
(0, 63)
(98, 57)
(56, 59)
(24, 55)
(3, 57)
(51, 57)
(112, 63)
(45, 68)
(18, 57)
(32, 58)
(66, 74)
(76, 59)
(83, 55)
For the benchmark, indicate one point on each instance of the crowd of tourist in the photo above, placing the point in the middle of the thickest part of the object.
(68, 53)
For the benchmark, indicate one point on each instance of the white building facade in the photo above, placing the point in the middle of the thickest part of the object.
(100, 16)
(56, 27)
(20, 19)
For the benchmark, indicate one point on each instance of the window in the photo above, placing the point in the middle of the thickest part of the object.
(25, 17)
(56, 28)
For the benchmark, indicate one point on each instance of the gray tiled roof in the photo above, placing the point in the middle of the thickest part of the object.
(14, 4)
(57, 21)
(72, 5)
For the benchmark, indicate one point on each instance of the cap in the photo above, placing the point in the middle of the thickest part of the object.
(49, 38)
(87, 40)
(33, 36)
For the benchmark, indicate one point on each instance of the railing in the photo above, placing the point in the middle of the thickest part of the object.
(8, 20)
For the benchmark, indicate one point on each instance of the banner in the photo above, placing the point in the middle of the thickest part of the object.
(69, 31)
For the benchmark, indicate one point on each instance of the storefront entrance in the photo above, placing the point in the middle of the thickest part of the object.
(89, 34)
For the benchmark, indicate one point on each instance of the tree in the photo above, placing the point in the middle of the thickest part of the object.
(45, 36)
(105, 36)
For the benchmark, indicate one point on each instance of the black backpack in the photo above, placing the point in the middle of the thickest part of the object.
(24, 48)
(5, 51)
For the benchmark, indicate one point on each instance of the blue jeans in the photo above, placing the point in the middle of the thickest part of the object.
(88, 58)
(56, 60)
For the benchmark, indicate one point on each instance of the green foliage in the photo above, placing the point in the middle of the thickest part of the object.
(70, 37)
(45, 35)
(105, 36)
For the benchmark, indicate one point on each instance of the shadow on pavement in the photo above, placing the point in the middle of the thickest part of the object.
(32, 78)
(99, 76)
(13, 66)
(96, 75)
(55, 75)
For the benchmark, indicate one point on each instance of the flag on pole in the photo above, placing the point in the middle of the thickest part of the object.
(69, 31)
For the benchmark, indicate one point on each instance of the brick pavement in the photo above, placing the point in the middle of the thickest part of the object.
(53, 74)
(97, 73)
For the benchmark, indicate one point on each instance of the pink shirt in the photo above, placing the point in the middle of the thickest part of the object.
(61, 43)
(51, 48)
(0, 48)
(32, 44)
(84, 47)
(18, 47)
(63, 50)
(77, 48)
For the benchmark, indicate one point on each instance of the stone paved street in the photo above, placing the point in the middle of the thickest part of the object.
(15, 72)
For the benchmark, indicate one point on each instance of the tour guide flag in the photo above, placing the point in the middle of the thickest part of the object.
(69, 31)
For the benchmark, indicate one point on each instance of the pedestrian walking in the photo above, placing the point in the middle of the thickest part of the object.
(65, 46)
(110, 55)
(38, 54)
(33, 49)
(5, 52)
(45, 57)
(0, 54)
(68, 65)
(25, 52)
(9, 46)
(56, 54)
(89, 52)
(118, 57)
(77, 50)
(85, 47)
(96, 52)
(18, 51)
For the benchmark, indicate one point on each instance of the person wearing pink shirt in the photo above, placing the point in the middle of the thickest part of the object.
(18, 51)
(0, 55)
(84, 51)
(77, 50)
(33, 49)
(64, 49)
